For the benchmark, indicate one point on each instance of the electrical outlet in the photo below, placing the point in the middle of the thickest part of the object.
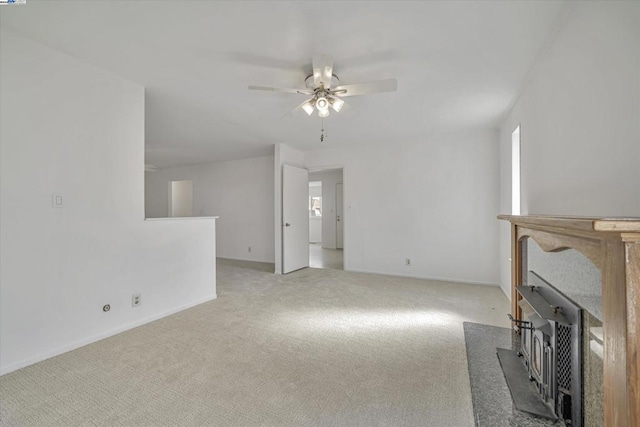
(136, 300)
(57, 200)
(249, 248)
(408, 262)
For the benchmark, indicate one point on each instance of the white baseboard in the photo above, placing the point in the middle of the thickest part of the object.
(415, 276)
(81, 343)
(245, 259)
(506, 292)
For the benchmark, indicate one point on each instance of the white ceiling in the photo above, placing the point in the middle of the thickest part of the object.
(459, 65)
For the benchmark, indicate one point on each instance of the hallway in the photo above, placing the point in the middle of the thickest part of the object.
(325, 258)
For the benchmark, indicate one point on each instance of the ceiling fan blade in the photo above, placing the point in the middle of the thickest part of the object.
(284, 90)
(348, 112)
(389, 85)
(322, 70)
(148, 167)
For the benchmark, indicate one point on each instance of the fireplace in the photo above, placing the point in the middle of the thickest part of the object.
(550, 353)
(611, 351)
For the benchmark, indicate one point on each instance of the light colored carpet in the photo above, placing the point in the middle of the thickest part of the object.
(312, 348)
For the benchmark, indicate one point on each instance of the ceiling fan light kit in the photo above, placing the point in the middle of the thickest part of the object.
(308, 107)
(336, 103)
(319, 83)
(322, 103)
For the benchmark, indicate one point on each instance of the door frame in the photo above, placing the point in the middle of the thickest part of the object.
(341, 220)
(345, 207)
(170, 196)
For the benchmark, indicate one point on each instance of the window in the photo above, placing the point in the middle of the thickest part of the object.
(515, 172)
(315, 199)
(315, 206)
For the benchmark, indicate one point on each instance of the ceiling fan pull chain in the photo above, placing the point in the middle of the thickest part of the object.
(322, 130)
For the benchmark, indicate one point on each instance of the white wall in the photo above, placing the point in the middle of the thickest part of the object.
(580, 121)
(282, 155)
(73, 129)
(240, 192)
(434, 201)
(329, 180)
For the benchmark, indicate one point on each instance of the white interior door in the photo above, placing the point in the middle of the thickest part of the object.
(295, 218)
(339, 217)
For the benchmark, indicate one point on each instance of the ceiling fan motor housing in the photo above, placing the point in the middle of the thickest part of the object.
(308, 81)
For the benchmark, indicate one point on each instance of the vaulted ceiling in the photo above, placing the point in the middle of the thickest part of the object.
(459, 65)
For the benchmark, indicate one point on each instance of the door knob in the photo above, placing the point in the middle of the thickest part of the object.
(287, 224)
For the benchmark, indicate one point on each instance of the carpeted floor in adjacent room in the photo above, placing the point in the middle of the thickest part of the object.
(313, 348)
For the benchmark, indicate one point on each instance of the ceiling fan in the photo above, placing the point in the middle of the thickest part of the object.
(322, 88)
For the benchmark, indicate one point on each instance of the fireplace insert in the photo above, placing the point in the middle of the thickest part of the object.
(550, 351)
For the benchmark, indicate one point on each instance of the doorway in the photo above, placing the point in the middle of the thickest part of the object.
(326, 219)
(180, 198)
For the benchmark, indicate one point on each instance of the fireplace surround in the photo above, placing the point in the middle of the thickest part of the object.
(613, 245)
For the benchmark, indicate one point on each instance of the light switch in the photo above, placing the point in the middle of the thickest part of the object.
(57, 200)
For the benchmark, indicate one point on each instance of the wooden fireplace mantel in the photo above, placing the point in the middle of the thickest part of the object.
(613, 245)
